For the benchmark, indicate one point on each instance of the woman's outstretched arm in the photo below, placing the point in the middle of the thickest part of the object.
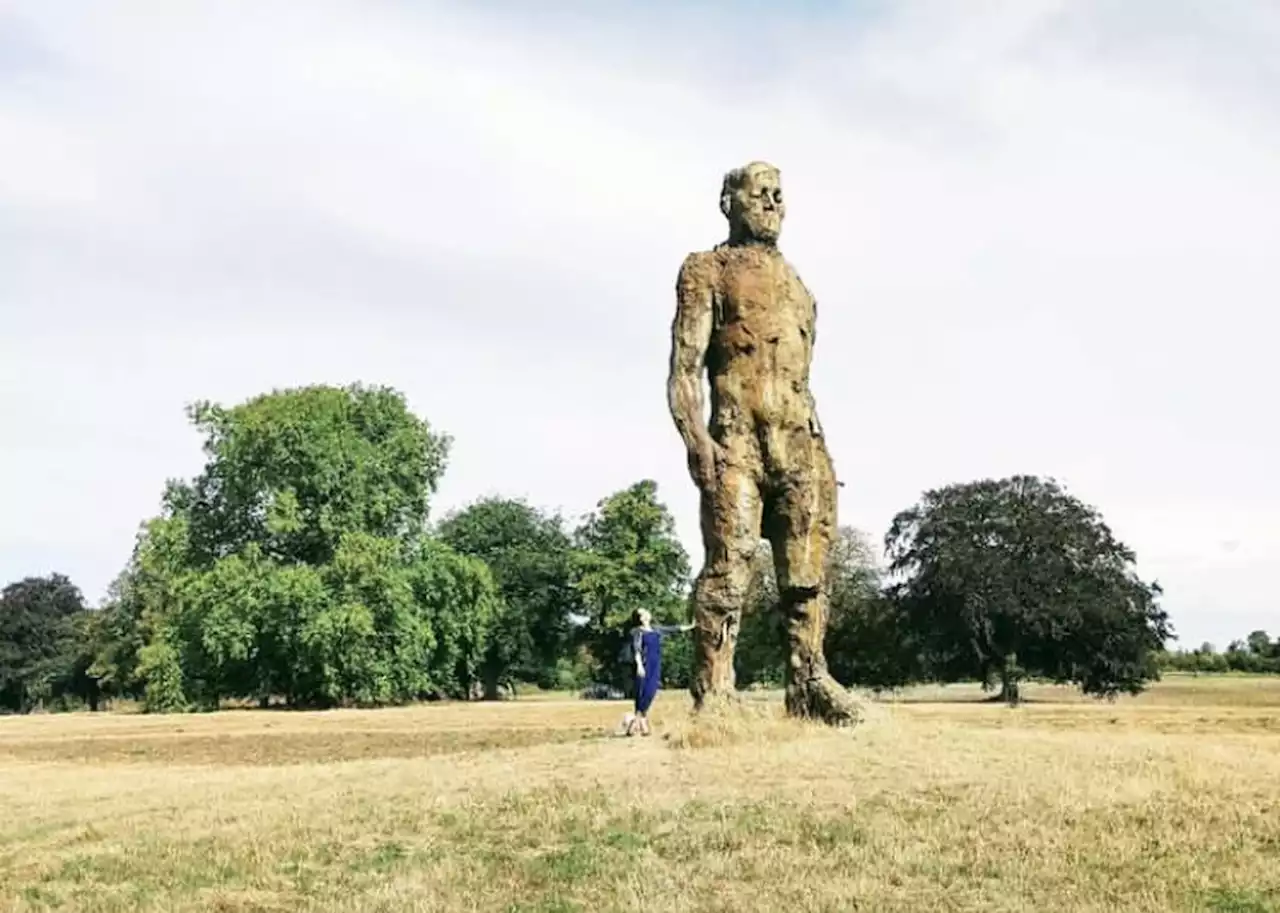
(673, 629)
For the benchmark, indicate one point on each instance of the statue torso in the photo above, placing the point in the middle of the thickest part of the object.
(762, 335)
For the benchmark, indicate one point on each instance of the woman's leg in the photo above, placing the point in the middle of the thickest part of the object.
(644, 700)
(639, 706)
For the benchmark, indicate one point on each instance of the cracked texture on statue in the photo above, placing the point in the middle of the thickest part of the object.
(746, 321)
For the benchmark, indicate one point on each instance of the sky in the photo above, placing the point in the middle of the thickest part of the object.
(1042, 235)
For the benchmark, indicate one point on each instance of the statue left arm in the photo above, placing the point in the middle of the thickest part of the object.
(811, 330)
(811, 316)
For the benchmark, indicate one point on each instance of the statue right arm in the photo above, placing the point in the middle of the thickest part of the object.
(690, 339)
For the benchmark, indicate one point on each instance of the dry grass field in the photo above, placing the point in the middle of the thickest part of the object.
(941, 802)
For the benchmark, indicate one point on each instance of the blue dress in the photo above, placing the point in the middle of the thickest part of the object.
(647, 684)
(648, 646)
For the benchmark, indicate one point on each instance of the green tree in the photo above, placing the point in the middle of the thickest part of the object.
(1014, 577)
(38, 643)
(297, 565)
(530, 555)
(1259, 643)
(628, 558)
(143, 605)
(293, 471)
(159, 667)
(462, 603)
(86, 638)
(868, 642)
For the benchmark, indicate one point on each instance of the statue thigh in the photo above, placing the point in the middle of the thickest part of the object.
(730, 531)
(799, 516)
(731, 514)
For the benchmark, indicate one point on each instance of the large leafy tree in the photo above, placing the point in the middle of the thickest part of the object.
(1010, 577)
(134, 647)
(628, 558)
(38, 642)
(462, 602)
(1259, 644)
(296, 564)
(292, 471)
(530, 555)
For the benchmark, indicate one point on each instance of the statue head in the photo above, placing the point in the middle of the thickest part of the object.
(751, 199)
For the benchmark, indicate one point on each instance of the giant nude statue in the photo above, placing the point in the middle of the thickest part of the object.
(746, 321)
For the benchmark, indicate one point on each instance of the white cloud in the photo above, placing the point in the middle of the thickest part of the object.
(1041, 234)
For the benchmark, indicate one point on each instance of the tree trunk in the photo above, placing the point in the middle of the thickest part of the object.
(1010, 692)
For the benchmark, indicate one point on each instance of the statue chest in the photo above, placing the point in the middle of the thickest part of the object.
(762, 298)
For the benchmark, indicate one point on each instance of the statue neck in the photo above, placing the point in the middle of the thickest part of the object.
(740, 239)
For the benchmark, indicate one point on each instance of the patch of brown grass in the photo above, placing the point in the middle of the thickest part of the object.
(733, 724)
(1174, 806)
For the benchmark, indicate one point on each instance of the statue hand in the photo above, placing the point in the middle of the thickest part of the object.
(706, 459)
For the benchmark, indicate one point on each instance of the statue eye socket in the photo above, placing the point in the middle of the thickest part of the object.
(777, 196)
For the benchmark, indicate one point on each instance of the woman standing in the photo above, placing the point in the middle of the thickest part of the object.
(646, 652)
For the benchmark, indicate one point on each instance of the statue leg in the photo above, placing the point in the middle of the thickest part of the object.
(800, 523)
(730, 533)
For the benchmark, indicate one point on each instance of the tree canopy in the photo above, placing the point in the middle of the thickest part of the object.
(1004, 578)
(531, 557)
(293, 471)
(296, 564)
(38, 639)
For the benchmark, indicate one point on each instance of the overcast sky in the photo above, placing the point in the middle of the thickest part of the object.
(1043, 237)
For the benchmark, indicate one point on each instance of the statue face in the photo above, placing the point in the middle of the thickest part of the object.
(756, 208)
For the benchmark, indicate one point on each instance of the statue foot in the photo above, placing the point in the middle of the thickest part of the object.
(823, 698)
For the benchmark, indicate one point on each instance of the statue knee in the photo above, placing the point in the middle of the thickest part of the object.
(720, 593)
(799, 571)
(719, 610)
(798, 601)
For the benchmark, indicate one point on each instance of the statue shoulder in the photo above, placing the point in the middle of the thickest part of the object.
(698, 271)
(795, 275)
(789, 267)
(700, 263)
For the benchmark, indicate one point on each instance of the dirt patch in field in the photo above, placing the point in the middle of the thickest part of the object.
(268, 748)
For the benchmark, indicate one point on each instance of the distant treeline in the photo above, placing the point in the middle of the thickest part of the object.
(300, 568)
(1257, 654)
